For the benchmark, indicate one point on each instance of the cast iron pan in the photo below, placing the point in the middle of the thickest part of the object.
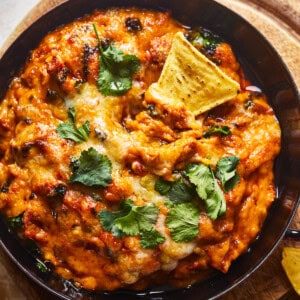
(265, 69)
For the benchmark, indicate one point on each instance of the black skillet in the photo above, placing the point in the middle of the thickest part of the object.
(265, 69)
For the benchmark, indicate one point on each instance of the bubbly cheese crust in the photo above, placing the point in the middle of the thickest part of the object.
(62, 73)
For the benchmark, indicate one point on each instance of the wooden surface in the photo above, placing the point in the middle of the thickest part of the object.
(278, 20)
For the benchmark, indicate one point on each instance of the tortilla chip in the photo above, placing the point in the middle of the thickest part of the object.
(192, 78)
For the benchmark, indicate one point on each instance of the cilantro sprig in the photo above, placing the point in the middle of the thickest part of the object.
(178, 191)
(92, 169)
(182, 221)
(226, 172)
(202, 181)
(116, 69)
(139, 218)
(107, 218)
(208, 189)
(132, 220)
(207, 186)
(68, 130)
(151, 238)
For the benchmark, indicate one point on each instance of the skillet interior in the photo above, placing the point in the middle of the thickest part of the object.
(264, 67)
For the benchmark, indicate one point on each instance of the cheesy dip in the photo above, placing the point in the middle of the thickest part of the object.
(119, 190)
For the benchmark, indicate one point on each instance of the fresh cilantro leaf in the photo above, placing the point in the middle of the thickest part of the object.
(178, 191)
(169, 203)
(182, 221)
(217, 130)
(41, 266)
(111, 56)
(116, 69)
(162, 186)
(151, 238)
(226, 172)
(129, 65)
(201, 176)
(70, 131)
(208, 189)
(84, 130)
(15, 223)
(112, 84)
(215, 204)
(94, 169)
(132, 220)
(107, 218)
(140, 218)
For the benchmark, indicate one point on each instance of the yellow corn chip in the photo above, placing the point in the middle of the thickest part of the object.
(291, 264)
(193, 79)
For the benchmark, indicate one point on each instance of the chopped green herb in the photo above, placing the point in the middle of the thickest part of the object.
(15, 223)
(183, 222)
(140, 218)
(203, 179)
(94, 169)
(107, 218)
(70, 131)
(151, 238)
(215, 203)
(226, 172)
(169, 203)
(162, 186)
(201, 176)
(132, 220)
(217, 130)
(178, 191)
(210, 40)
(116, 69)
(42, 267)
(208, 189)
(204, 40)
